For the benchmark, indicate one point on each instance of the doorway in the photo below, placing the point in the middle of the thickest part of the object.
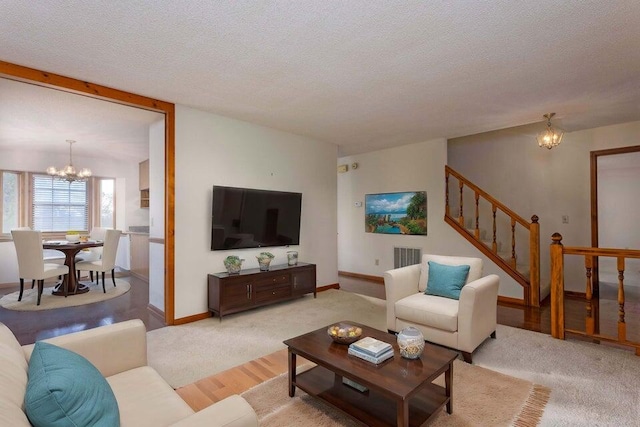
(67, 84)
(615, 204)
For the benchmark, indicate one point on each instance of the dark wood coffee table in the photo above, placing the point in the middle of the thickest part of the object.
(399, 391)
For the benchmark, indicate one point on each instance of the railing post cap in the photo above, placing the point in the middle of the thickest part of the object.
(557, 238)
(535, 219)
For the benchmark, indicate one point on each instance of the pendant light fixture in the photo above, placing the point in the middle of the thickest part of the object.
(69, 173)
(551, 136)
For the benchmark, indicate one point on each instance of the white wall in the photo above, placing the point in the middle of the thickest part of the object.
(214, 150)
(549, 183)
(156, 213)
(413, 167)
(128, 211)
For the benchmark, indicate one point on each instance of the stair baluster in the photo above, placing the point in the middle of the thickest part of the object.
(558, 328)
(622, 326)
(508, 262)
(477, 230)
(461, 216)
(494, 243)
(589, 321)
(513, 242)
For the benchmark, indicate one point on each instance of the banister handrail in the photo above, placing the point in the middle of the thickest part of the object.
(607, 252)
(490, 198)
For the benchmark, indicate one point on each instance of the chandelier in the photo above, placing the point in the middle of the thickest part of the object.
(68, 173)
(550, 137)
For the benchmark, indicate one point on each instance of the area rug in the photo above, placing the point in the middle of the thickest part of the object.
(480, 398)
(50, 302)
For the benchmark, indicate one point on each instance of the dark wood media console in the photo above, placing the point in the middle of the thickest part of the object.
(231, 293)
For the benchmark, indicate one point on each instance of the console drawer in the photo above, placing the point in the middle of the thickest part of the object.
(268, 292)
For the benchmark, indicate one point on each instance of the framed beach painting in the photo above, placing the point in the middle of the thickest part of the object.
(396, 213)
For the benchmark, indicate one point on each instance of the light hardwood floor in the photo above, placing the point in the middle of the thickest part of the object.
(213, 389)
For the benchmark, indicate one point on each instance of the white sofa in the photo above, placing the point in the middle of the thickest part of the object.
(459, 324)
(119, 351)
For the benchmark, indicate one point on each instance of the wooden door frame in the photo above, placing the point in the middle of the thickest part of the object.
(92, 90)
(594, 200)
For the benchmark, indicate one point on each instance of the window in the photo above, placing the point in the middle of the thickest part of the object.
(10, 202)
(106, 202)
(58, 205)
(55, 206)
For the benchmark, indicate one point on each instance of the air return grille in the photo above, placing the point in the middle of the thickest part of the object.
(406, 256)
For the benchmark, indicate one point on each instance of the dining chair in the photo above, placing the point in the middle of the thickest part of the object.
(93, 254)
(31, 263)
(33, 282)
(108, 260)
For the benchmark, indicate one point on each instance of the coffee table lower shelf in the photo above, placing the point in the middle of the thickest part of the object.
(372, 408)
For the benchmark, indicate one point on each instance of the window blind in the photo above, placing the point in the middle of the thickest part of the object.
(59, 205)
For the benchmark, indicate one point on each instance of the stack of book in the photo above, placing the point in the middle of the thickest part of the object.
(371, 350)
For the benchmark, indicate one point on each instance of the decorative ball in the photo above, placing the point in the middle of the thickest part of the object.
(344, 333)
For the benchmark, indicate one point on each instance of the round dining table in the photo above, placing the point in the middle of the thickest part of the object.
(70, 250)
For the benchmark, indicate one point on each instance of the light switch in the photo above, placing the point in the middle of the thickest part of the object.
(565, 219)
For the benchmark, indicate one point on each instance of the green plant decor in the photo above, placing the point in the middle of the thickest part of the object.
(233, 263)
(265, 255)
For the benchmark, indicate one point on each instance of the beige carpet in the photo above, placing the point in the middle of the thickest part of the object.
(210, 346)
(50, 302)
(591, 384)
(481, 398)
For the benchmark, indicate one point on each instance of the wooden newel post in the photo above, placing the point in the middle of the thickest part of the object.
(557, 287)
(534, 261)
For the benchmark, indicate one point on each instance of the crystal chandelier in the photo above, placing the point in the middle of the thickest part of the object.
(68, 173)
(550, 137)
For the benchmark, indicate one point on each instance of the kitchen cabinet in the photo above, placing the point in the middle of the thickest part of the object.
(143, 183)
(139, 250)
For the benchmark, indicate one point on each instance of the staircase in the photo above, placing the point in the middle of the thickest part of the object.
(520, 260)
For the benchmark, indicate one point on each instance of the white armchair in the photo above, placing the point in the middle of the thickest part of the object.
(459, 324)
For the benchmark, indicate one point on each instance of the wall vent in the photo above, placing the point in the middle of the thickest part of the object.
(406, 256)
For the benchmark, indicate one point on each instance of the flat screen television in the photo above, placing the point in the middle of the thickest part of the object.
(249, 218)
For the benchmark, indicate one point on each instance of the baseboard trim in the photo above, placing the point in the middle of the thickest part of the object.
(574, 294)
(327, 287)
(510, 301)
(375, 279)
(202, 316)
(139, 276)
(192, 318)
(156, 311)
(11, 285)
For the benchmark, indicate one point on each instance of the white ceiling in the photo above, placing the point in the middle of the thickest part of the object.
(42, 119)
(360, 74)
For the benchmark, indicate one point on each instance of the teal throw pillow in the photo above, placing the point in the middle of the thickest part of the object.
(446, 280)
(65, 389)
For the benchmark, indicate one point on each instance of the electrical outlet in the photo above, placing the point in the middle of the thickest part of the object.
(377, 261)
(565, 219)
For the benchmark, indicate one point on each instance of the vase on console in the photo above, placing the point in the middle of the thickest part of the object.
(233, 264)
(264, 259)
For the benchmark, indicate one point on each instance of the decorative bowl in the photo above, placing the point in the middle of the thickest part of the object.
(344, 333)
(72, 238)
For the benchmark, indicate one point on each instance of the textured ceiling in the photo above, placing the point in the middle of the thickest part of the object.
(360, 74)
(41, 119)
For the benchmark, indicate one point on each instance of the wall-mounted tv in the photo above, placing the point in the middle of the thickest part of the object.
(249, 218)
